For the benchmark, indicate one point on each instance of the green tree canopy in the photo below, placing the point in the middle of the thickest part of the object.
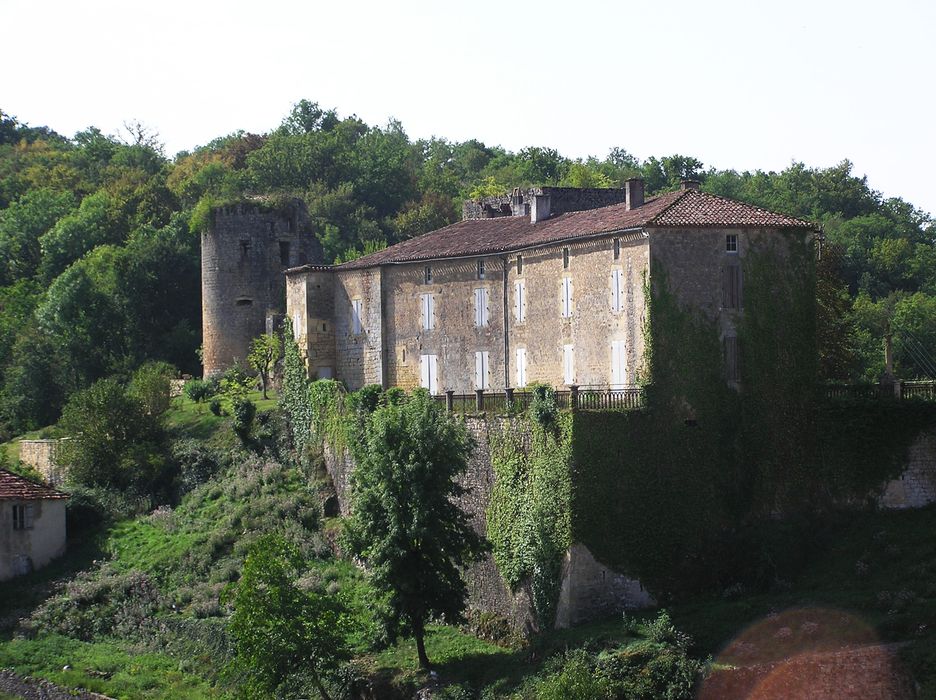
(406, 525)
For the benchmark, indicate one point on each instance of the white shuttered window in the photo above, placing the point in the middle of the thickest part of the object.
(521, 367)
(482, 308)
(520, 301)
(566, 297)
(568, 364)
(617, 289)
(427, 311)
(618, 364)
(481, 370)
(429, 373)
(356, 307)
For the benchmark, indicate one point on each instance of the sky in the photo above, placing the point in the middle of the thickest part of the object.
(736, 83)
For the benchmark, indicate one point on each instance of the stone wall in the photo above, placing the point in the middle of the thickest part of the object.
(310, 304)
(244, 256)
(455, 337)
(589, 589)
(40, 454)
(916, 487)
(561, 200)
(360, 358)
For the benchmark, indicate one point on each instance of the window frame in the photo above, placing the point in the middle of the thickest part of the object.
(731, 243)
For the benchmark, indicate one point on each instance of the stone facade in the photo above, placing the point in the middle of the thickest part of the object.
(562, 302)
(244, 255)
(597, 341)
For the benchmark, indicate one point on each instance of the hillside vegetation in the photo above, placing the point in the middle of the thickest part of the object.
(99, 244)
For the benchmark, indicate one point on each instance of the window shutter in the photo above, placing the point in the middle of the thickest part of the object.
(430, 311)
(521, 367)
(518, 301)
(568, 364)
(618, 367)
(486, 308)
(731, 287)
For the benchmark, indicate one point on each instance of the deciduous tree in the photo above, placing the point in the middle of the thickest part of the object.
(406, 525)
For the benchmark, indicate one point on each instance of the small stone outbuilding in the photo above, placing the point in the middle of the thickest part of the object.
(32, 525)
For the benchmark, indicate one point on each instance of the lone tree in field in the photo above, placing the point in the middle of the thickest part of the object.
(264, 352)
(405, 525)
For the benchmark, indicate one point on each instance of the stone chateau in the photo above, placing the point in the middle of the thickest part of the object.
(545, 285)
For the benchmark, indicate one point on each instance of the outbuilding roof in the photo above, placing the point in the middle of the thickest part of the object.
(684, 208)
(15, 488)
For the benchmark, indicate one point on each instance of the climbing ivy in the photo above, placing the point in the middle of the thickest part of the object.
(294, 396)
(529, 516)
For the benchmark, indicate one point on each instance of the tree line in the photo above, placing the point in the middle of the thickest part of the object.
(99, 245)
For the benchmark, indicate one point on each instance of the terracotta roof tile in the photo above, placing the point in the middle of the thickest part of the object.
(700, 209)
(16, 488)
(683, 208)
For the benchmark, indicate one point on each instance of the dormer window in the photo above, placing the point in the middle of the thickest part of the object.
(427, 274)
(731, 243)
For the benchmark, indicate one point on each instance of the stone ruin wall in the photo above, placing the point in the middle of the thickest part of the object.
(561, 201)
(40, 455)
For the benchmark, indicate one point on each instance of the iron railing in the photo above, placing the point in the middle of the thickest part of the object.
(900, 390)
(574, 398)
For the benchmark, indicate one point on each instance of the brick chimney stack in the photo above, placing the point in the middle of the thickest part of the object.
(633, 193)
(687, 184)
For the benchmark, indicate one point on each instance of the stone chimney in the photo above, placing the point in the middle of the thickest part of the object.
(539, 209)
(687, 184)
(633, 193)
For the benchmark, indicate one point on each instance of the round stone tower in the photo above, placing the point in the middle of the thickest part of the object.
(244, 256)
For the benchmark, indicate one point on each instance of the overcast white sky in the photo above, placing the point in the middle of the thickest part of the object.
(736, 83)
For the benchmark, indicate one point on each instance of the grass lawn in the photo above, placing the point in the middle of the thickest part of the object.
(105, 668)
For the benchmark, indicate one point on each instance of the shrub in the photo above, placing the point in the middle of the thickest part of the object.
(215, 407)
(151, 386)
(278, 628)
(243, 411)
(114, 442)
(98, 604)
(543, 405)
(196, 463)
(199, 389)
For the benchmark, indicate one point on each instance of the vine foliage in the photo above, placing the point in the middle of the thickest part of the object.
(529, 515)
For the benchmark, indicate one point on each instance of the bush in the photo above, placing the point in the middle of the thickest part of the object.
(151, 386)
(243, 411)
(215, 407)
(89, 506)
(199, 389)
(114, 442)
(99, 604)
(543, 406)
(196, 464)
